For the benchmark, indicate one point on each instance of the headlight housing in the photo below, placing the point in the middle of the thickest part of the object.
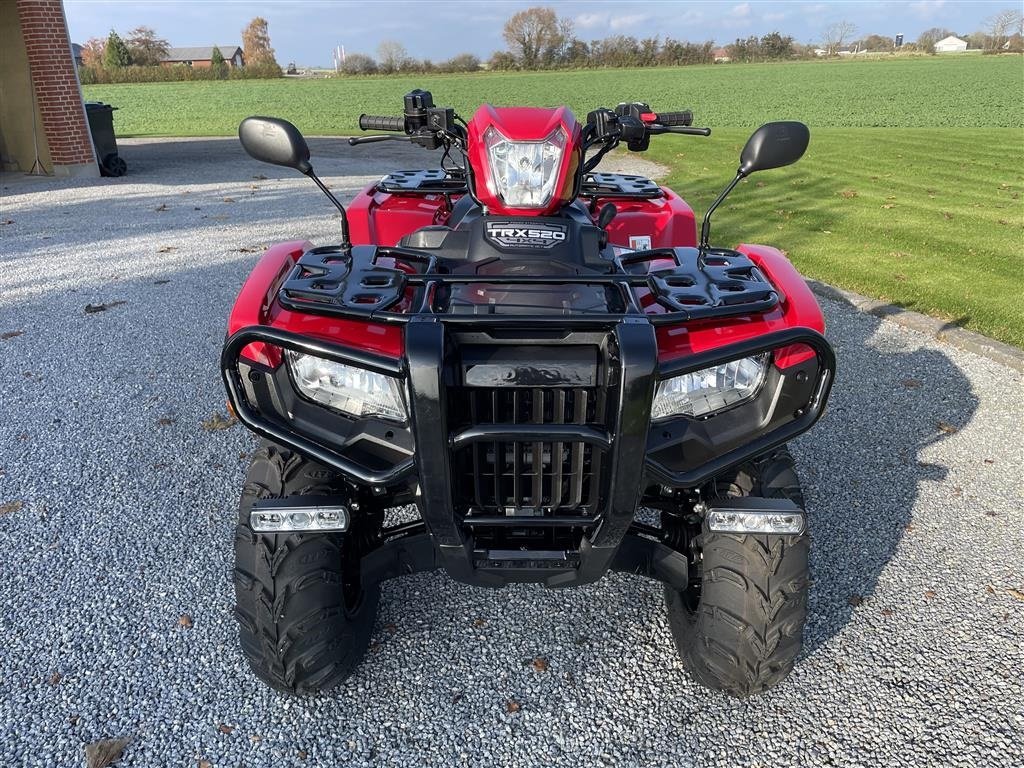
(710, 390)
(347, 389)
(524, 173)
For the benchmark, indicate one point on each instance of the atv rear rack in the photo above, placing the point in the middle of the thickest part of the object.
(693, 284)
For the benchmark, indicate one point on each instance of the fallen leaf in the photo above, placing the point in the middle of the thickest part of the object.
(10, 507)
(165, 421)
(104, 752)
(10, 334)
(988, 461)
(205, 764)
(540, 664)
(945, 426)
(224, 728)
(855, 600)
(929, 594)
(248, 249)
(849, 193)
(887, 611)
(229, 199)
(303, 754)
(512, 706)
(1016, 594)
(161, 282)
(161, 207)
(74, 719)
(260, 177)
(185, 621)
(255, 738)
(167, 249)
(91, 309)
(991, 513)
(218, 422)
(887, 206)
(759, 184)
(947, 215)
(911, 383)
(390, 629)
(479, 623)
(989, 590)
(55, 678)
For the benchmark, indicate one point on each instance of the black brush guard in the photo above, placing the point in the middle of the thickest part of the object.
(583, 470)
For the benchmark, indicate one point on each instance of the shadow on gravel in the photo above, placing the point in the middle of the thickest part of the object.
(176, 162)
(861, 466)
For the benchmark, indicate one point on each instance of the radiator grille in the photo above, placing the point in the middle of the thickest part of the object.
(523, 478)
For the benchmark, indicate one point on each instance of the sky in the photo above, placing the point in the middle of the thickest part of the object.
(306, 31)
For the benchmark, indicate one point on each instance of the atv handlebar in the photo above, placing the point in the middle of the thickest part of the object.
(382, 123)
(669, 118)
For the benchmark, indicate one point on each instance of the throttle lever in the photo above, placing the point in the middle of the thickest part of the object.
(353, 140)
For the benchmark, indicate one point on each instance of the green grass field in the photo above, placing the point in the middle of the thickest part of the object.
(910, 191)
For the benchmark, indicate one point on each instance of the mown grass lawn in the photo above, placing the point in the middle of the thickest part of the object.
(910, 191)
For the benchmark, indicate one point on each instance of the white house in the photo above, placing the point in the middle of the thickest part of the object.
(950, 45)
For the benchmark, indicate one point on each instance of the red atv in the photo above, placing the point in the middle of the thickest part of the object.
(527, 351)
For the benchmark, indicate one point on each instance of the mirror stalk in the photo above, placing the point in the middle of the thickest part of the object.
(705, 227)
(345, 244)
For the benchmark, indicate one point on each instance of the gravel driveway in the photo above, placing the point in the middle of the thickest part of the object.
(117, 507)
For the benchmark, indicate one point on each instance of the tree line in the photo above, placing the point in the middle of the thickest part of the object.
(538, 38)
(138, 58)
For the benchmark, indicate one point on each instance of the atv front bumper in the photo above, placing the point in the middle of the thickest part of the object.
(485, 440)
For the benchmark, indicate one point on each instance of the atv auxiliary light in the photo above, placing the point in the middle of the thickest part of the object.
(753, 514)
(265, 518)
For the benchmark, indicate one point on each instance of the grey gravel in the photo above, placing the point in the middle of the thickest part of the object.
(913, 482)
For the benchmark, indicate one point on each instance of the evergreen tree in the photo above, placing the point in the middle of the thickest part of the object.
(116, 53)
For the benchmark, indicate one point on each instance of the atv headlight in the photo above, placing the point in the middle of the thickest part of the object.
(710, 389)
(353, 391)
(524, 173)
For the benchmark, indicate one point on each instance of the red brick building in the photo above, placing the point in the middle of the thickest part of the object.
(43, 124)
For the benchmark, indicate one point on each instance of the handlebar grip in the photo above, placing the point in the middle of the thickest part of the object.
(382, 123)
(675, 118)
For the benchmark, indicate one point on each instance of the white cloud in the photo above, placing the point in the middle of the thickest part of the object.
(740, 11)
(591, 20)
(622, 22)
(773, 16)
(927, 8)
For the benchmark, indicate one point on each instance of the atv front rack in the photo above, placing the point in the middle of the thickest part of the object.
(442, 182)
(686, 284)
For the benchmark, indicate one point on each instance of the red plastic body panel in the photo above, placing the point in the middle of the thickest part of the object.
(524, 124)
(257, 305)
(797, 308)
(381, 218)
(668, 221)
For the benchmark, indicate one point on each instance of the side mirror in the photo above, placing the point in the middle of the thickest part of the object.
(774, 145)
(276, 141)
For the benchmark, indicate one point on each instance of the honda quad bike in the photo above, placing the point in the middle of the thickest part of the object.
(529, 352)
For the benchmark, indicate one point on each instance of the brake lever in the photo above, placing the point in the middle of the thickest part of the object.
(656, 130)
(353, 140)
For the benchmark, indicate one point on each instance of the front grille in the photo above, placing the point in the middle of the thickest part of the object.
(526, 478)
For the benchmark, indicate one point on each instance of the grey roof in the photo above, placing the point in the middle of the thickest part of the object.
(76, 50)
(199, 52)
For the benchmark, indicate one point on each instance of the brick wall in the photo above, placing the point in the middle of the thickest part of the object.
(55, 82)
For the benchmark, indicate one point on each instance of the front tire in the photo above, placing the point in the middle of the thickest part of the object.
(304, 618)
(739, 627)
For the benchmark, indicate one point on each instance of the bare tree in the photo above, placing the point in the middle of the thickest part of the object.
(926, 40)
(530, 33)
(1001, 26)
(146, 48)
(391, 56)
(837, 34)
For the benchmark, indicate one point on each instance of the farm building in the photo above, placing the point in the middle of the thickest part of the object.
(950, 44)
(720, 55)
(202, 56)
(43, 124)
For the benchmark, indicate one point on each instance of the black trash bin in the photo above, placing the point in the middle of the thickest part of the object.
(101, 125)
